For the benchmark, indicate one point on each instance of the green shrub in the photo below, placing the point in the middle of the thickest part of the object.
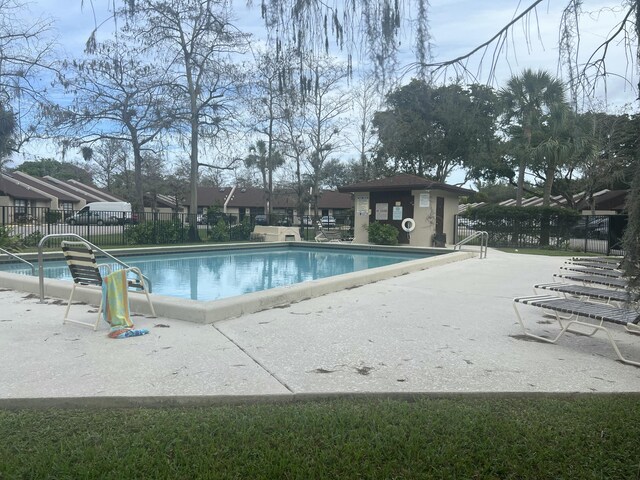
(157, 232)
(8, 241)
(496, 213)
(32, 239)
(241, 231)
(383, 234)
(219, 232)
(523, 226)
(52, 216)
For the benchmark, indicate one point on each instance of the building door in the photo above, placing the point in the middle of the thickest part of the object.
(401, 201)
(440, 215)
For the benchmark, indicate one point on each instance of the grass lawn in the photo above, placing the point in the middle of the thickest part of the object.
(503, 437)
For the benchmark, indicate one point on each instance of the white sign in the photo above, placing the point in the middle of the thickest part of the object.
(424, 200)
(382, 211)
(362, 204)
(397, 213)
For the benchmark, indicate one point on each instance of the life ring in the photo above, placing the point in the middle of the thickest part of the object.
(408, 224)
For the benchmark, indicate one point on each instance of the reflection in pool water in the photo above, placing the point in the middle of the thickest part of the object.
(216, 274)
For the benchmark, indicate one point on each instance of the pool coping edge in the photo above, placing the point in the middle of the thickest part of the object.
(232, 307)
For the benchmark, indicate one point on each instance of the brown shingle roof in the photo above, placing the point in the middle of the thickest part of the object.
(88, 197)
(103, 194)
(11, 189)
(250, 197)
(253, 197)
(209, 196)
(42, 185)
(606, 200)
(332, 199)
(402, 181)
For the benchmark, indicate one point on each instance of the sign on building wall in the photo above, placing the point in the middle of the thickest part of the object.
(424, 200)
(362, 204)
(382, 211)
(397, 213)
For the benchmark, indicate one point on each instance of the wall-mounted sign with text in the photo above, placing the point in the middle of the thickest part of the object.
(382, 211)
(424, 200)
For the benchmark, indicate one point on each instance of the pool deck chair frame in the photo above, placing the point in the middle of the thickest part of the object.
(85, 271)
(331, 236)
(596, 265)
(612, 262)
(610, 282)
(592, 271)
(596, 312)
(604, 295)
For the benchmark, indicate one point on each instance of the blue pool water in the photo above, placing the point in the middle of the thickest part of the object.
(217, 274)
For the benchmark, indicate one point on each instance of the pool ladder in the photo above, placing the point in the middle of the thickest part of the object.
(484, 242)
(12, 255)
(78, 237)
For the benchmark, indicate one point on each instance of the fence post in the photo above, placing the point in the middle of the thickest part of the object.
(455, 229)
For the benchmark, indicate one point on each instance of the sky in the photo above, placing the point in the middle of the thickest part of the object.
(457, 26)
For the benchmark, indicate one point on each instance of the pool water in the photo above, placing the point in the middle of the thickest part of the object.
(213, 275)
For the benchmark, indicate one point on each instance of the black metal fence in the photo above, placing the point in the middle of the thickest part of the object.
(26, 227)
(589, 233)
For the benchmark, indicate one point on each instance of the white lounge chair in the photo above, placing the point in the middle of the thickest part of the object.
(586, 314)
(593, 271)
(604, 295)
(334, 235)
(610, 282)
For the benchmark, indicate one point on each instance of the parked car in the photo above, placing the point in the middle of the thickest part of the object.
(328, 221)
(284, 222)
(261, 220)
(94, 218)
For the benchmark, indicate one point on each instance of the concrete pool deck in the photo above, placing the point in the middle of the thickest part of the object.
(448, 329)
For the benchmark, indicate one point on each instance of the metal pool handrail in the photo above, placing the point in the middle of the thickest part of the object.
(33, 269)
(484, 242)
(73, 235)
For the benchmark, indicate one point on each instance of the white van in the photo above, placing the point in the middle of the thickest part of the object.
(102, 213)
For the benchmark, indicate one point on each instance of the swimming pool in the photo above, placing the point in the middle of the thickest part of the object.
(182, 272)
(212, 275)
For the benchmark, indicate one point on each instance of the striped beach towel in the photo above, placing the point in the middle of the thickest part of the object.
(115, 300)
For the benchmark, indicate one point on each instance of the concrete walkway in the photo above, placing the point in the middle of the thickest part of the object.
(446, 329)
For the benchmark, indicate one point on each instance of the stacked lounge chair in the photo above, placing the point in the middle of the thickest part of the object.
(597, 300)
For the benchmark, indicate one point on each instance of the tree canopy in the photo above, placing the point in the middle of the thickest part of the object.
(429, 130)
(55, 169)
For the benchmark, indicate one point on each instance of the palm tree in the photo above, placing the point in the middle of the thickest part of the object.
(257, 159)
(556, 144)
(526, 99)
(7, 132)
(265, 162)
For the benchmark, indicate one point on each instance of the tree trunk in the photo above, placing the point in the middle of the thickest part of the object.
(270, 160)
(548, 184)
(138, 203)
(522, 166)
(193, 180)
